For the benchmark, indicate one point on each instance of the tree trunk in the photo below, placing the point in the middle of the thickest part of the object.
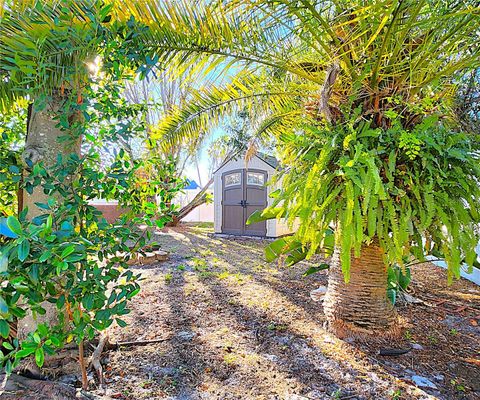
(199, 199)
(42, 145)
(361, 307)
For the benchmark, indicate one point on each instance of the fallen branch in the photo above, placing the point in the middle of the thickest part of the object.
(393, 352)
(199, 199)
(117, 345)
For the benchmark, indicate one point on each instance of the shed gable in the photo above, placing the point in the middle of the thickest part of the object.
(238, 162)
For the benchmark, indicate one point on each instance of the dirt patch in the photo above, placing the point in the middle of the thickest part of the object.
(236, 327)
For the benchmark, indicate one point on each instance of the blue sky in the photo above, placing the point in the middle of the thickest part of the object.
(204, 164)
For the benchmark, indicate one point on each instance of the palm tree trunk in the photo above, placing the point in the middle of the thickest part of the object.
(42, 145)
(360, 307)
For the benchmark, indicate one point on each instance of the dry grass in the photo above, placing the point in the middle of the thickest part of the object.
(238, 328)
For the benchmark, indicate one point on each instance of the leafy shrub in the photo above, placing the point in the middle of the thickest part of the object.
(398, 280)
(417, 196)
(70, 256)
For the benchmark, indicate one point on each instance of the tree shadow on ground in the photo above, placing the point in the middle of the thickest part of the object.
(289, 280)
(202, 361)
(273, 337)
(288, 352)
(294, 289)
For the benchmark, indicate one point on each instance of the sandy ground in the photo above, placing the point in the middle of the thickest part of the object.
(235, 327)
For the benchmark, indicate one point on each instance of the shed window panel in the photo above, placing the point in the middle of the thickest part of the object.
(233, 179)
(255, 178)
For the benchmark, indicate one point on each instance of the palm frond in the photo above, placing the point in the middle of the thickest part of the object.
(207, 106)
(43, 45)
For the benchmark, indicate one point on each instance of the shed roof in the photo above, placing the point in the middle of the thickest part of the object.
(268, 159)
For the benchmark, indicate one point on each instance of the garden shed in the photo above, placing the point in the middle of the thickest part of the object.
(240, 188)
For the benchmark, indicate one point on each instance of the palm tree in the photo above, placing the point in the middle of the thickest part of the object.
(358, 93)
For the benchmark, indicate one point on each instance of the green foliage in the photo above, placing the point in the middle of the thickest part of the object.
(275, 55)
(280, 246)
(12, 136)
(70, 256)
(362, 182)
(373, 151)
(376, 157)
(266, 214)
(314, 270)
(410, 144)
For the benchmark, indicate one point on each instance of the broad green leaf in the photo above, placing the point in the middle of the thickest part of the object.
(39, 356)
(23, 250)
(45, 256)
(392, 295)
(3, 262)
(259, 215)
(4, 328)
(49, 222)
(121, 322)
(42, 329)
(14, 225)
(67, 251)
(8, 367)
(36, 338)
(274, 249)
(133, 293)
(295, 256)
(43, 206)
(7, 345)
(313, 270)
(111, 298)
(3, 306)
(87, 301)
(25, 352)
(61, 301)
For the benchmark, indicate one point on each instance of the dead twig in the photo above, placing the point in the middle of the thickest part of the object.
(393, 352)
(117, 345)
(81, 360)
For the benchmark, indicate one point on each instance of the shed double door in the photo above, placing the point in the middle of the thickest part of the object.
(244, 192)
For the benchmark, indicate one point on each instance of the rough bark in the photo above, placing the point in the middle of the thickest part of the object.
(360, 307)
(326, 92)
(42, 145)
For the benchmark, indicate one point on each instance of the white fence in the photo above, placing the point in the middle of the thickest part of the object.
(203, 213)
(472, 277)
